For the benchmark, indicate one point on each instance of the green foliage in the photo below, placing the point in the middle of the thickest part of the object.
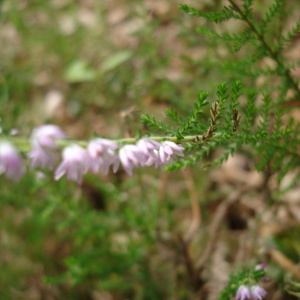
(232, 127)
(294, 288)
(189, 126)
(217, 17)
(258, 35)
(243, 277)
(270, 15)
(288, 243)
(285, 39)
(262, 126)
(156, 126)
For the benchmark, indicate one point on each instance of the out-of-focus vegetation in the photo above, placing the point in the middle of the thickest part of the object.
(93, 67)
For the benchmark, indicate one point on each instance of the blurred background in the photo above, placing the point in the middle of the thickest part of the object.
(93, 67)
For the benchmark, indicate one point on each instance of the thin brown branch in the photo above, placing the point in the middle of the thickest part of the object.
(285, 262)
(196, 281)
(215, 226)
(195, 205)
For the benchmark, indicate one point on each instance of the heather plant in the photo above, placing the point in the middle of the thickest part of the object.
(100, 214)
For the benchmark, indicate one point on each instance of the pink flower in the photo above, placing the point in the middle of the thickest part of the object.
(44, 152)
(11, 163)
(260, 267)
(131, 157)
(167, 153)
(257, 292)
(76, 162)
(243, 293)
(147, 146)
(102, 152)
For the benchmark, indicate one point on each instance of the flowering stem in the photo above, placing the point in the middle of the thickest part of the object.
(24, 145)
(80, 157)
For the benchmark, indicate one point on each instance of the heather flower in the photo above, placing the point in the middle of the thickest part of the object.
(165, 155)
(44, 152)
(257, 292)
(169, 151)
(102, 152)
(131, 156)
(243, 293)
(76, 162)
(154, 159)
(260, 267)
(147, 146)
(11, 162)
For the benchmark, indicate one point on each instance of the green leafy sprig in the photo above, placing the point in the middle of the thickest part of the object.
(243, 277)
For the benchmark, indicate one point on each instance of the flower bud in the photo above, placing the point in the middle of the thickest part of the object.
(11, 162)
(76, 162)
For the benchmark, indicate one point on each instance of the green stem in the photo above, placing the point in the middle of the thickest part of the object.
(24, 145)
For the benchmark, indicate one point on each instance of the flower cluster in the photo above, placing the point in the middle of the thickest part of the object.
(252, 291)
(75, 161)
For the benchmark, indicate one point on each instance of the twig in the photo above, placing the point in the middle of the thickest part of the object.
(196, 281)
(215, 226)
(285, 263)
(195, 206)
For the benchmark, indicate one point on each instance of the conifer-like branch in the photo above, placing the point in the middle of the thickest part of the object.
(216, 17)
(292, 33)
(273, 54)
(273, 10)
